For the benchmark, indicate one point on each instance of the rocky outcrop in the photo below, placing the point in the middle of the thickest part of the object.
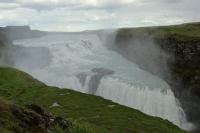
(183, 50)
(29, 118)
(186, 64)
(185, 72)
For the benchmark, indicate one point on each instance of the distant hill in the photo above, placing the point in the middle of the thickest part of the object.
(19, 32)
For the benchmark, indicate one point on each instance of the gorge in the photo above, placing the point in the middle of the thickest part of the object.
(127, 68)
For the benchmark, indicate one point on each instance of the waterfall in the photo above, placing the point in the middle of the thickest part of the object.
(80, 62)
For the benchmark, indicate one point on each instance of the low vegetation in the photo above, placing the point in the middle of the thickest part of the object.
(182, 33)
(86, 113)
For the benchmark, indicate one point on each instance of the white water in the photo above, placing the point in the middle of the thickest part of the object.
(73, 54)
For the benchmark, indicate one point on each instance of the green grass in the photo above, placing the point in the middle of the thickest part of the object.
(184, 32)
(88, 113)
(18, 119)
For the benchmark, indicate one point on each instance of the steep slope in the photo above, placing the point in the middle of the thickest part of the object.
(29, 119)
(180, 41)
(172, 53)
(100, 114)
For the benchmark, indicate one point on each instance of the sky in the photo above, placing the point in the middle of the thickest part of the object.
(79, 15)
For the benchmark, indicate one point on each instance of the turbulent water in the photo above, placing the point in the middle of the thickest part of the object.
(82, 63)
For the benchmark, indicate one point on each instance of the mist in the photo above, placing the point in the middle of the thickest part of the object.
(98, 63)
(141, 50)
(144, 50)
(25, 57)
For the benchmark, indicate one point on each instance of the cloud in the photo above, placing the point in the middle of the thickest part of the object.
(9, 5)
(76, 15)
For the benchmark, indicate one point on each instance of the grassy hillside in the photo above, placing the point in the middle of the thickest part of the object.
(98, 114)
(31, 118)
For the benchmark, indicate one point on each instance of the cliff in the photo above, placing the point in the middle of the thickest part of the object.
(175, 58)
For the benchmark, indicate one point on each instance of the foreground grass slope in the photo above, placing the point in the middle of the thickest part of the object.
(98, 114)
(31, 118)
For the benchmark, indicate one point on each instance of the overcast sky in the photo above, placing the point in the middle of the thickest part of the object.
(78, 15)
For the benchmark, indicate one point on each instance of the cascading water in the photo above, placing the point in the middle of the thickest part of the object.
(82, 63)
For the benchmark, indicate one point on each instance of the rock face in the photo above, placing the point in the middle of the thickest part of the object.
(186, 64)
(185, 73)
(178, 56)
